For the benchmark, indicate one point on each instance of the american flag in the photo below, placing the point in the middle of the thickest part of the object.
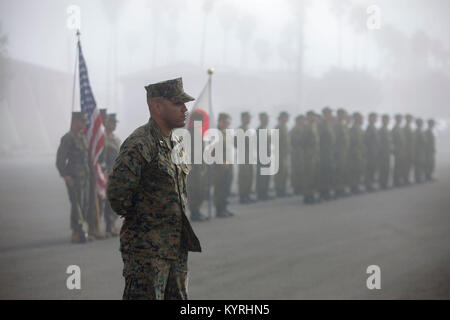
(94, 130)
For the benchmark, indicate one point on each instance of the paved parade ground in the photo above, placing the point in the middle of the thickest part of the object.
(280, 249)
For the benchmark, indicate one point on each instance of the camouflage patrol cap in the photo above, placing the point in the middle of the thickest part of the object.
(169, 89)
(357, 115)
(245, 114)
(341, 111)
(263, 114)
(372, 115)
(408, 117)
(103, 112)
(385, 116)
(195, 115)
(300, 116)
(283, 114)
(224, 116)
(326, 110)
(79, 115)
(111, 117)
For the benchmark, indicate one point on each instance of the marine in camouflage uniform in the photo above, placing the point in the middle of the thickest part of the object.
(398, 145)
(310, 146)
(223, 173)
(281, 176)
(245, 173)
(357, 152)
(408, 149)
(371, 142)
(72, 162)
(197, 181)
(108, 156)
(341, 153)
(263, 181)
(148, 188)
(327, 147)
(384, 152)
(297, 155)
(419, 152)
(430, 151)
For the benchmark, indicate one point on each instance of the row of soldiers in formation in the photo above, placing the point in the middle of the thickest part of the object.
(72, 162)
(325, 156)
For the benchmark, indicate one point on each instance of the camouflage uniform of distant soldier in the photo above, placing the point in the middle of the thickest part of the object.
(398, 146)
(263, 181)
(408, 149)
(341, 153)
(223, 173)
(371, 142)
(109, 155)
(419, 152)
(245, 173)
(148, 188)
(357, 152)
(310, 146)
(297, 155)
(281, 176)
(327, 147)
(72, 162)
(197, 181)
(384, 152)
(430, 151)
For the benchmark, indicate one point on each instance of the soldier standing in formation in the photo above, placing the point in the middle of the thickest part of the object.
(326, 158)
(398, 147)
(148, 189)
(408, 150)
(342, 148)
(297, 155)
(263, 181)
(356, 153)
(310, 145)
(384, 152)
(197, 181)
(419, 152)
(430, 151)
(223, 173)
(72, 162)
(245, 173)
(281, 176)
(109, 155)
(371, 142)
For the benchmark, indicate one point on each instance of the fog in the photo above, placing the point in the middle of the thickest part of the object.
(268, 56)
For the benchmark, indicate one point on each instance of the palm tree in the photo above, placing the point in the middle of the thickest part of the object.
(286, 47)
(207, 7)
(227, 17)
(247, 27)
(340, 9)
(262, 50)
(4, 75)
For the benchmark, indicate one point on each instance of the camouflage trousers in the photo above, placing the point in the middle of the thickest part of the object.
(197, 186)
(155, 278)
(79, 200)
(245, 179)
(262, 183)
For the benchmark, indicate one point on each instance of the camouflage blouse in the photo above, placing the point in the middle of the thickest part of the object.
(149, 190)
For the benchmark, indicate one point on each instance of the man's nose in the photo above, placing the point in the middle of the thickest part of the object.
(184, 109)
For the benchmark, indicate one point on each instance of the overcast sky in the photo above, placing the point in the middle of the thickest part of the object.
(37, 31)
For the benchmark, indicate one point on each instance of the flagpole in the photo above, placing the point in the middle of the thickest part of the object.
(75, 71)
(211, 119)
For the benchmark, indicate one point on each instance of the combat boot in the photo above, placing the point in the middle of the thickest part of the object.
(198, 217)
